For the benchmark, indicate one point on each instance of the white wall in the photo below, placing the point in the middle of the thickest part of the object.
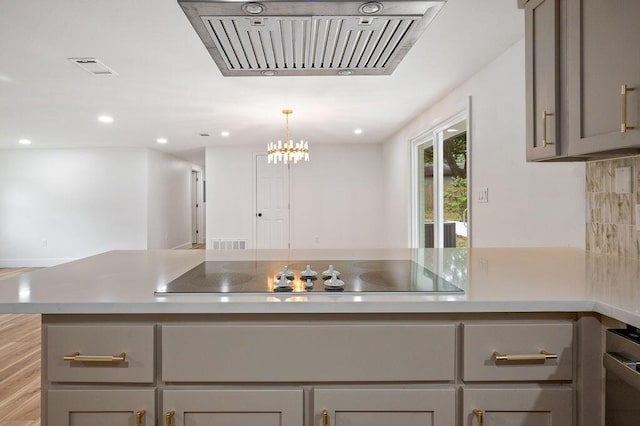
(230, 175)
(169, 201)
(530, 204)
(337, 196)
(81, 201)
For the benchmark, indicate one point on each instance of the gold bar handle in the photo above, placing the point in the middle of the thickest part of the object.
(139, 415)
(168, 418)
(625, 89)
(545, 142)
(542, 356)
(325, 418)
(96, 358)
(479, 416)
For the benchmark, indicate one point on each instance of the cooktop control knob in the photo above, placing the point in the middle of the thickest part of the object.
(308, 273)
(283, 284)
(330, 272)
(286, 273)
(334, 282)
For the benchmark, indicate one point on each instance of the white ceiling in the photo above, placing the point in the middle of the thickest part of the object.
(168, 85)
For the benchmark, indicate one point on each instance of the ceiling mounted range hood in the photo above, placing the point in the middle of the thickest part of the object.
(293, 37)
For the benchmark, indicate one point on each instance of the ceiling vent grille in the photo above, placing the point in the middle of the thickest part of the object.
(315, 43)
(93, 66)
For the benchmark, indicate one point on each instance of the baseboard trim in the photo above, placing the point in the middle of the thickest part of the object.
(33, 263)
(182, 246)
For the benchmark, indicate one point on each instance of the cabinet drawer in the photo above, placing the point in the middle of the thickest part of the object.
(135, 341)
(305, 353)
(481, 341)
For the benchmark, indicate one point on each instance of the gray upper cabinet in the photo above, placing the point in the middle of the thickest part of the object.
(583, 79)
(542, 29)
(602, 59)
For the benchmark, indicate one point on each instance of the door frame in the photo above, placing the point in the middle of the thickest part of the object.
(422, 137)
(254, 201)
(196, 206)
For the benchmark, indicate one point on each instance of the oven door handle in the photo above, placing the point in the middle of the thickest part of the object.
(623, 368)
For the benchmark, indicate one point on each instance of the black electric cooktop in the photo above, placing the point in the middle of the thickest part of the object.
(261, 276)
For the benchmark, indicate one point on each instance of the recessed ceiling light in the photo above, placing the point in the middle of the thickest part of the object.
(452, 130)
(105, 119)
(358, 131)
(24, 142)
(224, 134)
(161, 140)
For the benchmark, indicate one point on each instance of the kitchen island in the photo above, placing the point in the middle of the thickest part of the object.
(115, 352)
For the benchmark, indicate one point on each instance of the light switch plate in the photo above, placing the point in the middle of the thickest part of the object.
(483, 195)
(623, 180)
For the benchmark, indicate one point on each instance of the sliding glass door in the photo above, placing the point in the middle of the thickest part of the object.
(441, 186)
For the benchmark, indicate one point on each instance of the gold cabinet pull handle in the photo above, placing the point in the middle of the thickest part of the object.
(542, 356)
(96, 358)
(325, 418)
(168, 418)
(479, 416)
(625, 89)
(545, 142)
(139, 415)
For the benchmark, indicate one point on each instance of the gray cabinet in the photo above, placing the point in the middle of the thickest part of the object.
(103, 407)
(542, 28)
(603, 57)
(384, 407)
(241, 407)
(582, 79)
(518, 406)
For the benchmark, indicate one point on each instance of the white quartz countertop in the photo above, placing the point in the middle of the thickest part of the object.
(494, 280)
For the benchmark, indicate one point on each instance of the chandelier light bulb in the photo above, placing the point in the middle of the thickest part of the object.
(289, 151)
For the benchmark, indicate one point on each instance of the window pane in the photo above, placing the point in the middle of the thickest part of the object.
(425, 154)
(455, 185)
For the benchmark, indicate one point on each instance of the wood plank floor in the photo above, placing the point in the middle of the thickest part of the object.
(19, 365)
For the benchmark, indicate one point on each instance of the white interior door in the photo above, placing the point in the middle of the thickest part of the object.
(272, 204)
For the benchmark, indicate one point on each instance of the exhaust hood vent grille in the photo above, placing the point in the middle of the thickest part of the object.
(318, 42)
(287, 44)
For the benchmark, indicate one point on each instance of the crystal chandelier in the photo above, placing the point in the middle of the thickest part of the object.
(287, 152)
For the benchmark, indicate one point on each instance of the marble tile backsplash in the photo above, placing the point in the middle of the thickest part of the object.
(610, 216)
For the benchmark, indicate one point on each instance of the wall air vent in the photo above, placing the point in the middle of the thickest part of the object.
(93, 66)
(309, 38)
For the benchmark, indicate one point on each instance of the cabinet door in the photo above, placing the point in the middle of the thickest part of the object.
(384, 407)
(602, 57)
(277, 407)
(518, 407)
(100, 407)
(542, 27)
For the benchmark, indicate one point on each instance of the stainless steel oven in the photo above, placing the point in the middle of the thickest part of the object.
(622, 364)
